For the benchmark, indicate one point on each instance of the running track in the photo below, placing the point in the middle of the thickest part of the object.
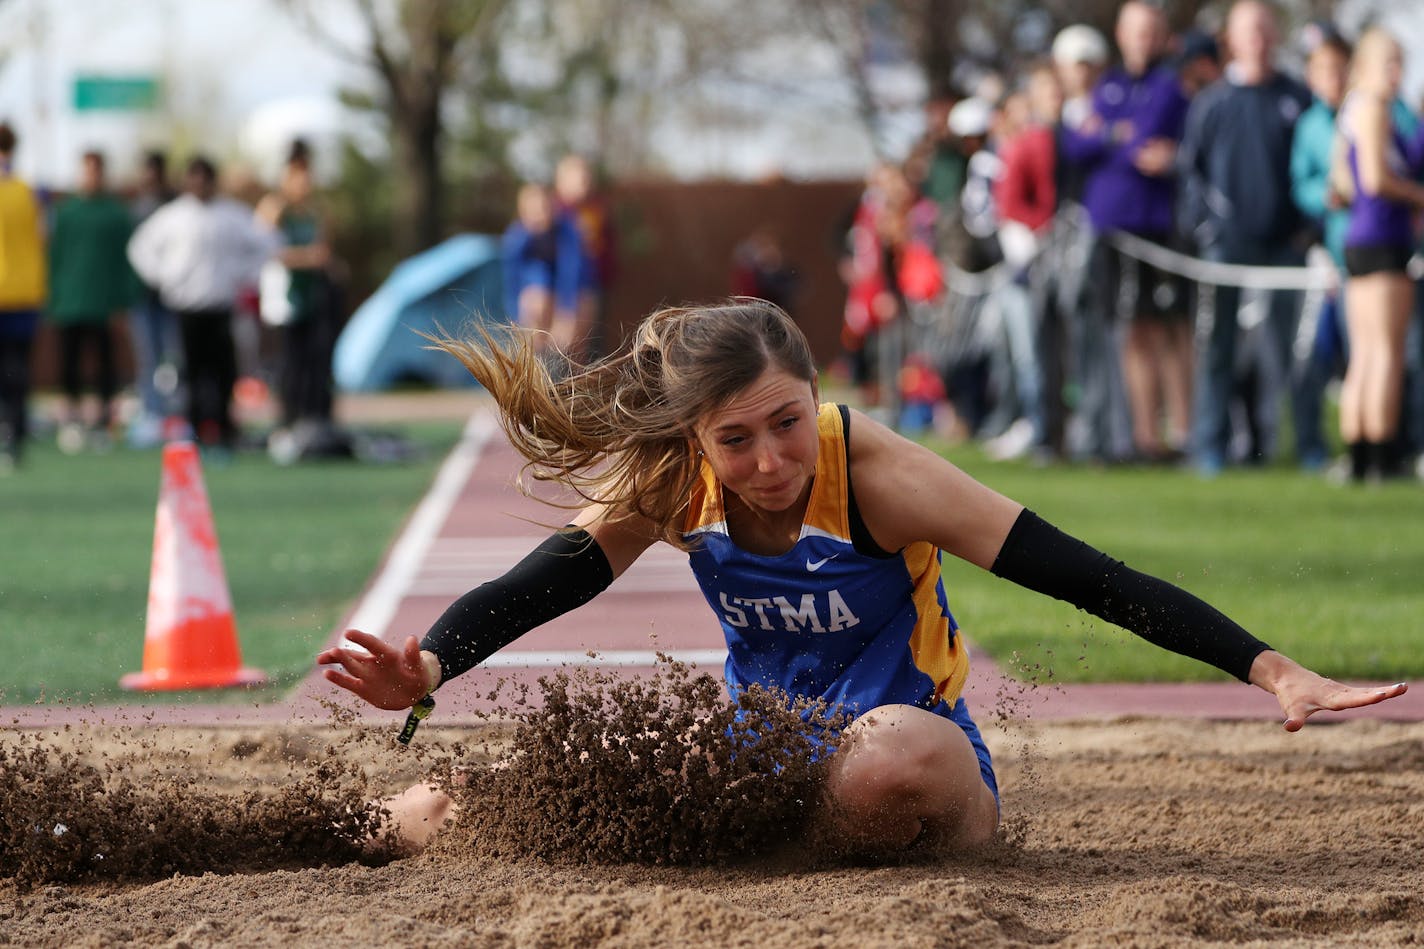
(474, 523)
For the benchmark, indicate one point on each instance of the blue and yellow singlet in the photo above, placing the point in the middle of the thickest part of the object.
(826, 620)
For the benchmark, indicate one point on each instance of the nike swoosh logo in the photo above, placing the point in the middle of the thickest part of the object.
(814, 565)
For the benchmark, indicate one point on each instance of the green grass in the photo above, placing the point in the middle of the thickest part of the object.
(298, 545)
(1332, 576)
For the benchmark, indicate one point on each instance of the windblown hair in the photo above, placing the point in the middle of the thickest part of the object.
(618, 431)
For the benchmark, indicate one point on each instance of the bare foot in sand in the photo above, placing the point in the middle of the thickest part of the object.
(417, 814)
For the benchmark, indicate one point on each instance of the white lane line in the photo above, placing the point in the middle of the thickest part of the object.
(531, 659)
(378, 607)
(454, 565)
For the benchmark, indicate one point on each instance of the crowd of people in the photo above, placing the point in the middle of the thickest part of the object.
(1123, 242)
(187, 269)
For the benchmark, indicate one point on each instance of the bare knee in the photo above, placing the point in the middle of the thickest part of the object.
(903, 773)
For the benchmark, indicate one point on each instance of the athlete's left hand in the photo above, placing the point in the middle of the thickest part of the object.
(1302, 693)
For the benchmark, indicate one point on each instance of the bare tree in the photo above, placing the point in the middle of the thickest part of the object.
(416, 50)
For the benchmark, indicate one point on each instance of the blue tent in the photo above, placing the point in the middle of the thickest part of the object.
(444, 287)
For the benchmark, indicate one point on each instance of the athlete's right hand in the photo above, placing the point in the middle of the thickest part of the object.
(387, 676)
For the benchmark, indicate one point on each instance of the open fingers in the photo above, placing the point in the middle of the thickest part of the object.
(356, 663)
(347, 682)
(375, 645)
(1354, 697)
(1338, 700)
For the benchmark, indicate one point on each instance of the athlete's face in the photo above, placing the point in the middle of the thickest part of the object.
(762, 445)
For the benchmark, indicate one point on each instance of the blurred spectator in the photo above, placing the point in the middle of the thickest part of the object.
(759, 269)
(969, 233)
(22, 293)
(1024, 201)
(1080, 54)
(922, 399)
(1025, 193)
(1139, 316)
(1312, 148)
(868, 301)
(153, 329)
(939, 154)
(577, 198)
(889, 263)
(1235, 162)
(1198, 61)
(90, 282)
(543, 261)
(299, 296)
(199, 251)
(1379, 296)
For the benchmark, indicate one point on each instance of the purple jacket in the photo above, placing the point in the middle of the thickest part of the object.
(1131, 110)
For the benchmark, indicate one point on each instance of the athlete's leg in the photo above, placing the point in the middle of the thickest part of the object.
(417, 814)
(903, 775)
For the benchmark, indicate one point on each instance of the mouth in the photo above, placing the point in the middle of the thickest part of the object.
(778, 488)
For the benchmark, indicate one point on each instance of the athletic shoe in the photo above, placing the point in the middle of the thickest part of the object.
(71, 438)
(1015, 442)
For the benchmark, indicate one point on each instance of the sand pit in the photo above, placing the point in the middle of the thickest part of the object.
(1136, 833)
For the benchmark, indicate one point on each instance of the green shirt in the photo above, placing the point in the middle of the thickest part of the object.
(89, 271)
(302, 228)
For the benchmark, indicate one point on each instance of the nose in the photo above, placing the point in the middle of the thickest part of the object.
(768, 458)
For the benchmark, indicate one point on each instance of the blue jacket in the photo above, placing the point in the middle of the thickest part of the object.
(1235, 160)
(558, 252)
(1132, 110)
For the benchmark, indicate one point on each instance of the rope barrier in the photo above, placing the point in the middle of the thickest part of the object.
(1223, 274)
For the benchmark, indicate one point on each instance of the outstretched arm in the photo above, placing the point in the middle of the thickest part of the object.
(907, 493)
(567, 570)
(1040, 557)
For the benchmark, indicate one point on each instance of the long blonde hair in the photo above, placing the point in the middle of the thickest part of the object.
(1375, 43)
(618, 431)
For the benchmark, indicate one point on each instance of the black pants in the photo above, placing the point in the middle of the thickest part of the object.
(14, 391)
(306, 370)
(211, 358)
(73, 340)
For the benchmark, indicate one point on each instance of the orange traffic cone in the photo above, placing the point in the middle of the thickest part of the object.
(190, 640)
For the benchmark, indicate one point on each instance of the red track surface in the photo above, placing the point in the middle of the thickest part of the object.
(484, 524)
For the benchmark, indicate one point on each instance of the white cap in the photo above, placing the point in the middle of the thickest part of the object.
(1080, 43)
(970, 117)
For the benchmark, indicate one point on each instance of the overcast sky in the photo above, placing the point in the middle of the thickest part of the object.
(223, 59)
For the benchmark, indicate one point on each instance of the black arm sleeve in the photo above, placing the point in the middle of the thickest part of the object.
(1042, 558)
(564, 572)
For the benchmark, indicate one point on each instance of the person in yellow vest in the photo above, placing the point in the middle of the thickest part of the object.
(22, 293)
